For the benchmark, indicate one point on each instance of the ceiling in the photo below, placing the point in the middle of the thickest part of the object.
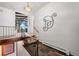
(19, 6)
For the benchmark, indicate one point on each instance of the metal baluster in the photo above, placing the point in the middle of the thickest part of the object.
(3, 31)
(16, 48)
(0, 29)
(11, 31)
(6, 31)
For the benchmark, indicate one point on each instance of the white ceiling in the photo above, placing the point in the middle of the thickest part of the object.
(19, 6)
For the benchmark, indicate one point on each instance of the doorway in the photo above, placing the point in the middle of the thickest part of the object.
(21, 22)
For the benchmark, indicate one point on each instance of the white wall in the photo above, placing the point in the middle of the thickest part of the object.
(65, 32)
(30, 23)
(7, 18)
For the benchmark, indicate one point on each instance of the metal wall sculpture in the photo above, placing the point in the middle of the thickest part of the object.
(49, 21)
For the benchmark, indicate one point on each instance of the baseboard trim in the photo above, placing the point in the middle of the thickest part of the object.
(67, 53)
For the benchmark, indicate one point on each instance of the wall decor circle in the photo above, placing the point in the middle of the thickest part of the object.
(49, 21)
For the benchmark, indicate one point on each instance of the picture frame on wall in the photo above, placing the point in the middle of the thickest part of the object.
(7, 49)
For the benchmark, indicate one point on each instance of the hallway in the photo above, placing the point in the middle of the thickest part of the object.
(39, 28)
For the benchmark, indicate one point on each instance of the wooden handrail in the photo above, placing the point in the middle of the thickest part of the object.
(36, 29)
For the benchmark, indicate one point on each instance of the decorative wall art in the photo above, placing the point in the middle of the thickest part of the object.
(49, 21)
(7, 49)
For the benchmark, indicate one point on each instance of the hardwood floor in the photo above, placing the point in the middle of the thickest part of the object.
(43, 50)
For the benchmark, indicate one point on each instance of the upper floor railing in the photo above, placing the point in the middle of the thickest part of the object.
(6, 31)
